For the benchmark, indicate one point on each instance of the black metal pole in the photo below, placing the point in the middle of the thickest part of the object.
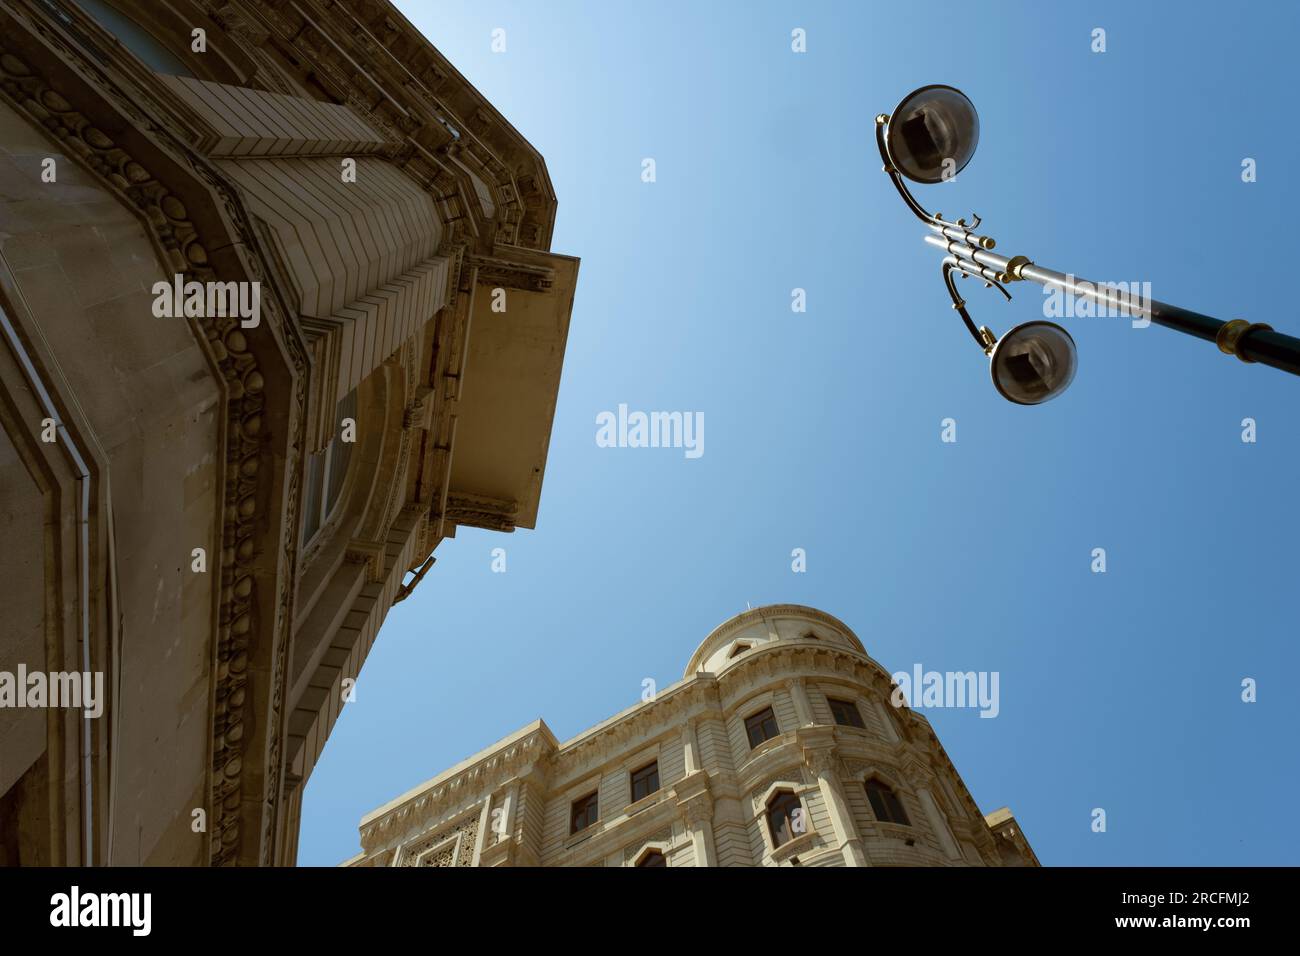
(1255, 344)
(1249, 342)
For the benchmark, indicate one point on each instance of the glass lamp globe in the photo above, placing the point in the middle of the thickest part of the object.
(1033, 363)
(932, 134)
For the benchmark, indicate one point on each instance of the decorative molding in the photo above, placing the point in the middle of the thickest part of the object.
(663, 837)
(478, 511)
(369, 553)
(404, 92)
(250, 462)
(452, 846)
(518, 760)
(726, 629)
(495, 272)
(792, 775)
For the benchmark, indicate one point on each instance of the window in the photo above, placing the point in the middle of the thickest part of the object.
(645, 781)
(846, 713)
(785, 818)
(327, 469)
(583, 813)
(653, 858)
(885, 803)
(761, 726)
(737, 651)
(155, 54)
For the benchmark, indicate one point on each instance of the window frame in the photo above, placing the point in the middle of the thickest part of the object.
(589, 806)
(892, 809)
(851, 706)
(789, 802)
(762, 726)
(328, 491)
(653, 768)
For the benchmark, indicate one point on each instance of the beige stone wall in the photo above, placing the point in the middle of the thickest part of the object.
(225, 683)
(145, 406)
(714, 787)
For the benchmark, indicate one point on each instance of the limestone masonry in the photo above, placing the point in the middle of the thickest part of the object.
(779, 747)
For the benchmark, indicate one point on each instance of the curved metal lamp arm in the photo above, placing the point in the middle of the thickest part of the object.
(930, 219)
(984, 338)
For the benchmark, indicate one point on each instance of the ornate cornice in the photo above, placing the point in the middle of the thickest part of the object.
(721, 634)
(647, 720)
(521, 758)
(503, 273)
(478, 511)
(438, 123)
(369, 553)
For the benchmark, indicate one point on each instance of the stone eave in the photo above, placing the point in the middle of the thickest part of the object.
(530, 743)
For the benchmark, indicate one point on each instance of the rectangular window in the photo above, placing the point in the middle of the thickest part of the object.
(761, 726)
(583, 813)
(312, 498)
(327, 469)
(341, 451)
(846, 713)
(645, 781)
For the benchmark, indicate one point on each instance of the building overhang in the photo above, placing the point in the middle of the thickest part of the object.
(512, 381)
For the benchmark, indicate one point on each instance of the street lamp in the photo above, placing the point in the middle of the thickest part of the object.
(929, 138)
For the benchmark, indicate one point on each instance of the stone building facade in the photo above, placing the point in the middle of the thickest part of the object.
(779, 747)
(214, 511)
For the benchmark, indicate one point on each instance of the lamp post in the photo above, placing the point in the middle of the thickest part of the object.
(929, 138)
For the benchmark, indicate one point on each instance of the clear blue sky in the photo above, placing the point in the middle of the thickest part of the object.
(1118, 690)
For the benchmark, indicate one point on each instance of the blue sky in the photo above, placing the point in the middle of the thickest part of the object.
(1118, 690)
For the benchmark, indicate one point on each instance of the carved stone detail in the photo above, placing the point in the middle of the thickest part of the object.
(480, 512)
(664, 835)
(249, 461)
(791, 775)
(369, 553)
(459, 853)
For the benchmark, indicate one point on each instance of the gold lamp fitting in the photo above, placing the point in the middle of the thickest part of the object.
(1231, 333)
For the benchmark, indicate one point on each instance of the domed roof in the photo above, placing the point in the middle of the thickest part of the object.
(761, 625)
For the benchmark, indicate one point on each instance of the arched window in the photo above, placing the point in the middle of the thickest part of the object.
(737, 651)
(785, 818)
(327, 469)
(885, 803)
(151, 51)
(653, 858)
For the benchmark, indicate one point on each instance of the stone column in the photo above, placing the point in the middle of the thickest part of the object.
(690, 748)
(529, 788)
(484, 838)
(887, 720)
(696, 805)
(507, 817)
(802, 707)
(938, 823)
(822, 763)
